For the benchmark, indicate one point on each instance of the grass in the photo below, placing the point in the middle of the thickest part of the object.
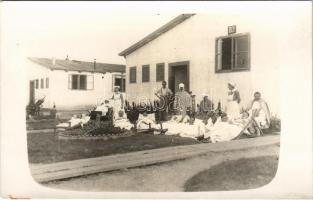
(47, 148)
(241, 174)
(43, 124)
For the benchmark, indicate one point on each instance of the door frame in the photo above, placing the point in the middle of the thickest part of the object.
(170, 73)
(31, 92)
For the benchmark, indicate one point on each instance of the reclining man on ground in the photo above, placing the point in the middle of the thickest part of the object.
(225, 130)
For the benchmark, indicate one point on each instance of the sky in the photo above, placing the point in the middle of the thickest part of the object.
(97, 30)
(83, 30)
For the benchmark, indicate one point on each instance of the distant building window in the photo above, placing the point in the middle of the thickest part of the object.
(47, 82)
(132, 74)
(37, 84)
(145, 73)
(160, 72)
(119, 80)
(232, 53)
(41, 83)
(80, 82)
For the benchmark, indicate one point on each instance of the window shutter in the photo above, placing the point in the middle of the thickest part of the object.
(145, 73)
(160, 72)
(218, 56)
(41, 83)
(132, 74)
(69, 81)
(47, 82)
(82, 82)
(241, 51)
(90, 82)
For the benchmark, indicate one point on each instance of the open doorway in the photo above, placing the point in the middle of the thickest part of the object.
(178, 73)
(31, 92)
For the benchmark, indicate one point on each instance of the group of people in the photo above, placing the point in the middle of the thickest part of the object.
(225, 125)
(257, 108)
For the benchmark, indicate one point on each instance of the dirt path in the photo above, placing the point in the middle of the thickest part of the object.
(167, 177)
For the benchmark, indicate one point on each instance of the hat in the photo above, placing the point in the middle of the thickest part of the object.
(181, 85)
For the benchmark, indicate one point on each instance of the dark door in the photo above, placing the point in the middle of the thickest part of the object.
(178, 73)
(32, 92)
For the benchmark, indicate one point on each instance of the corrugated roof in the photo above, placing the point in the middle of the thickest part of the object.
(75, 65)
(177, 20)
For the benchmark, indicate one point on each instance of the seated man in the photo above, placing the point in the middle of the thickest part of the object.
(205, 106)
(259, 110)
(122, 122)
(103, 107)
(145, 122)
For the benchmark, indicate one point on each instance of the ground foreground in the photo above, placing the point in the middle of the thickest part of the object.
(177, 175)
(241, 174)
(47, 148)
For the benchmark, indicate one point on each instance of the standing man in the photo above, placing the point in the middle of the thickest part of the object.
(182, 101)
(164, 95)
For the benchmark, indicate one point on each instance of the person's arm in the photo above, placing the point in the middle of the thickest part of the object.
(169, 91)
(237, 97)
(158, 93)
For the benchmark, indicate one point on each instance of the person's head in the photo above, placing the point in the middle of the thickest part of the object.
(116, 89)
(106, 101)
(181, 87)
(164, 84)
(231, 85)
(205, 97)
(120, 113)
(257, 96)
(245, 115)
(224, 117)
(191, 120)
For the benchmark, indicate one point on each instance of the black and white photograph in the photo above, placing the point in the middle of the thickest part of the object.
(156, 97)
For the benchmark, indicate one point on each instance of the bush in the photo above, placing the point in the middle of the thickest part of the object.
(275, 124)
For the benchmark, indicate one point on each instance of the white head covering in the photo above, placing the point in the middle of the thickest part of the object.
(181, 85)
(232, 84)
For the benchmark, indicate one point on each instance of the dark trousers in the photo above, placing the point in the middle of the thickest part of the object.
(163, 115)
(163, 112)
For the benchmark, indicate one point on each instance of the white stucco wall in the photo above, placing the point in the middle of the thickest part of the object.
(59, 93)
(35, 71)
(194, 41)
(66, 98)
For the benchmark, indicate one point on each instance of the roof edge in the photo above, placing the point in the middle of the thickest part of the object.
(155, 34)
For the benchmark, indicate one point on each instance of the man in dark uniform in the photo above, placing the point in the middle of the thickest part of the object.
(164, 95)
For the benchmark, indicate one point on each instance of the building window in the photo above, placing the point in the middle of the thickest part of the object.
(160, 72)
(119, 80)
(37, 84)
(47, 82)
(132, 74)
(145, 73)
(232, 53)
(80, 82)
(41, 83)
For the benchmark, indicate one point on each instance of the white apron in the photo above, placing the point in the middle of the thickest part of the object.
(233, 110)
(117, 103)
